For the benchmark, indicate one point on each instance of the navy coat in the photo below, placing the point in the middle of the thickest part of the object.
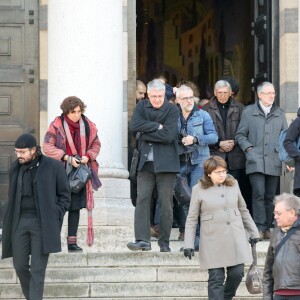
(52, 197)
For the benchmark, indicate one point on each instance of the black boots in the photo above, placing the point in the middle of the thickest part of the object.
(72, 244)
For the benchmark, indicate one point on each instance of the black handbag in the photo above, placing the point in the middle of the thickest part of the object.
(78, 177)
(254, 276)
(182, 190)
(134, 164)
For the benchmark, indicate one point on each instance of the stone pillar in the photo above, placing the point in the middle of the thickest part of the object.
(85, 59)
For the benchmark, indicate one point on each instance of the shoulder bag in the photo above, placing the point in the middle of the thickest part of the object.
(78, 177)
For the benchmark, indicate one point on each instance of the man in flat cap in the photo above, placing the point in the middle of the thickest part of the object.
(38, 197)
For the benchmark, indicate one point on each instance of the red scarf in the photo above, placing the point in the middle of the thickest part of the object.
(75, 133)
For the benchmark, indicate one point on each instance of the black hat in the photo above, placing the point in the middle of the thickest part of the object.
(25, 141)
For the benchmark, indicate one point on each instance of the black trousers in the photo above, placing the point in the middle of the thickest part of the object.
(165, 182)
(220, 290)
(279, 297)
(27, 241)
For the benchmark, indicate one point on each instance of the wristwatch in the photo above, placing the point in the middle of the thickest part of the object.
(195, 140)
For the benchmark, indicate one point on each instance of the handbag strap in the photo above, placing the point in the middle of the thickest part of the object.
(69, 166)
(254, 254)
(286, 237)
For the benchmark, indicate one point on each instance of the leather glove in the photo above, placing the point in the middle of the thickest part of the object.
(188, 253)
(253, 241)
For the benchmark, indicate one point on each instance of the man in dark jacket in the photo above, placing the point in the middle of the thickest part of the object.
(156, 120)
(281, 279)
(38, 197)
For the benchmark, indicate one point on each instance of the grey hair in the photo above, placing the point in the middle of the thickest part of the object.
(156, 84)
(221, 84)
(182, 89)
(290, 201)
(262, 85)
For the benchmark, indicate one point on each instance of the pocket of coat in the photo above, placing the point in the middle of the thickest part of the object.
(237, 212)
(197, 124)
(206, 217)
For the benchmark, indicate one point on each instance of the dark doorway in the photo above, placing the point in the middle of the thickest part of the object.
(197, 40)
(19, 80)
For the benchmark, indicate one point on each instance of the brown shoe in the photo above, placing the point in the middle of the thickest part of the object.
(267, 234)
(181, 236)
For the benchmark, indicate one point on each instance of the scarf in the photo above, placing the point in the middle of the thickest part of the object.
(81, 140)
(266, 109)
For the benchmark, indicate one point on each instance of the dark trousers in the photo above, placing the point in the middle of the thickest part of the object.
(279, 297)
(73, 222)
(220, 290)
(245, 186)
(165, 182)
(263, 192)
(28, 240)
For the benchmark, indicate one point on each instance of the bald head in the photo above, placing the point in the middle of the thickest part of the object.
(140, 90)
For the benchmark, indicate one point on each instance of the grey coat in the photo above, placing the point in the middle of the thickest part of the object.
(261, 133)
(224, 218)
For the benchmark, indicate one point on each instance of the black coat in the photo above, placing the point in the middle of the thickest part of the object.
(292, 135)
(146, 120)
(52, 198)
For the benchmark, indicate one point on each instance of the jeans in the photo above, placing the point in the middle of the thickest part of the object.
(27, 241)
(217, 289)
(193, 173)
(263, 192)
(165, 182)
(280, 297)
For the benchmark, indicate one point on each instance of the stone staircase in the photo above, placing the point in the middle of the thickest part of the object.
(109, 270)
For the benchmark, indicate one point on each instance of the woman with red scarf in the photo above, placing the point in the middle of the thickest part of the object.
(71, 135)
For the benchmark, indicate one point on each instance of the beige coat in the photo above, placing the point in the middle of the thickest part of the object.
(224, 218)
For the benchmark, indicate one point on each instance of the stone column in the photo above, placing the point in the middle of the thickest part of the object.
(85, 59)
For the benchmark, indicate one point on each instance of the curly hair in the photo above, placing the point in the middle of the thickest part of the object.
(70, 103)
(209, 166)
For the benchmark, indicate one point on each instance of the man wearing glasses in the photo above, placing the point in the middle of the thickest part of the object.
(196, 131)
(156, 121)
(281, 279)
(38, 197)
(258, 134)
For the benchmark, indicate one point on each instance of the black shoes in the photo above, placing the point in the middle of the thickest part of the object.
(74, 248)
(164, 247)
(139, 245)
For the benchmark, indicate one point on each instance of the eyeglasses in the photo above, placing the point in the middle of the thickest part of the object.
(269, 93)
(22, 152)
(279, 213)
(220, 172)
(160, 97)
(186, 99)
(222, 93)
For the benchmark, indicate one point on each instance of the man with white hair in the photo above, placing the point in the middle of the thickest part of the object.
(281, 279)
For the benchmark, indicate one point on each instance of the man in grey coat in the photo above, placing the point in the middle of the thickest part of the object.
(156, 121)
(257, 135)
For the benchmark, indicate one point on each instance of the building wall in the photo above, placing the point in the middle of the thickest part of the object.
(289, 56)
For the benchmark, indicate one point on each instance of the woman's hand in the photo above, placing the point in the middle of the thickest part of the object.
(75, 162)
(84, 160)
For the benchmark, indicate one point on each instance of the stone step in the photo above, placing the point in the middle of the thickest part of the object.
(119, 275)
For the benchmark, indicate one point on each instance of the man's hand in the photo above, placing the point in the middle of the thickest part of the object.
(290, 169)
(227, 145)
(188, 140)
(253, 241)
(188, 253)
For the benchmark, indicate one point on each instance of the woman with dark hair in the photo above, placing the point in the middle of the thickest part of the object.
(73, 137)
(224, 217)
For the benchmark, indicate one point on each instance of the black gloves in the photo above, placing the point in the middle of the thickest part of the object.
(253, 241)
(188, 253)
